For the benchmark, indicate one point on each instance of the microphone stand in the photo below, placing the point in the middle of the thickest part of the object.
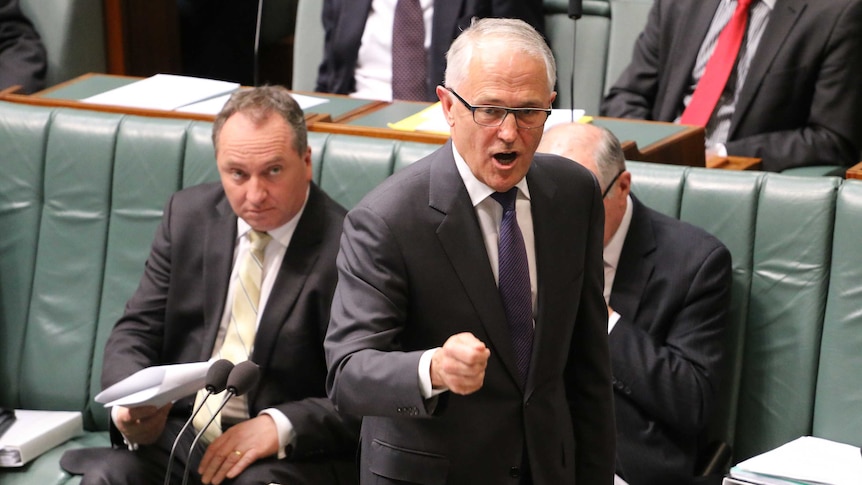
(230, 394)
(576, 9)
(257, 43)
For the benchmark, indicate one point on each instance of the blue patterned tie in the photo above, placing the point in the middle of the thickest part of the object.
(514, 281)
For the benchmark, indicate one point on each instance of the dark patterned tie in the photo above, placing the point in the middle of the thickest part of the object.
(408, 52)
(514, 281)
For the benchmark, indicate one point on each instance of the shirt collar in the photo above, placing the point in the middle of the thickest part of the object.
(614, 248)
(768, 3)
(477, 190)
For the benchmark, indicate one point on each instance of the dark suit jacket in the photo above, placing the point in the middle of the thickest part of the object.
(344, 23)
(174, 315)
(800, 103)
(413, 270)
(22, 55)
(672, 289)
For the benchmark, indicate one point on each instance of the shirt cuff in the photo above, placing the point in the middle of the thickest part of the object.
(425, 386)
(612, 320)
(131, 446)
(284, 428)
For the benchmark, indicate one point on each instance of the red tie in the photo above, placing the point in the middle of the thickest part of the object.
(718, 69)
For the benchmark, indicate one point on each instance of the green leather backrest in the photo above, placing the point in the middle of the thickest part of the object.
(73, 32)
(837, 407)
(792, 249)
(588, 37)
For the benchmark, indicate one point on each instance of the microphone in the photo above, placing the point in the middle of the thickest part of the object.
(216, 381)
(256, 73)
(241, 379)
(576, 9)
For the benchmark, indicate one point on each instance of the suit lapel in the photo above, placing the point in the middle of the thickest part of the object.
(219, 242)
(683, 54)
(635, 265)
(781, 21)
(462, 240)
(299, 259)
(549, 251)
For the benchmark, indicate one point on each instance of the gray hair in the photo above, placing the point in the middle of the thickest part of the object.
(519, 36)
(258, 104)
(609, 156)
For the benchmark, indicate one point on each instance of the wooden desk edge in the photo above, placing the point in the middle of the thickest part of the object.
(854, 172)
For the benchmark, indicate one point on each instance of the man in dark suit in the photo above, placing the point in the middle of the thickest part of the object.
(469, 368)
(22, 55)
(345, 23)
(793, 98)
(667, 284)
(286, 430)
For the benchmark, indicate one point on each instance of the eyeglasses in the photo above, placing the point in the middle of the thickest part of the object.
(495, 115)
(610, 185)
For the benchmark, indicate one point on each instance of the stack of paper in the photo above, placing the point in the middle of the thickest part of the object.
(36, 432)
(156, 385)
(805, 460)
(165, 92)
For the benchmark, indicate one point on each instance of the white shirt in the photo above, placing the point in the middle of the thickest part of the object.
(490, 213)
(373, 72)
(611, 256)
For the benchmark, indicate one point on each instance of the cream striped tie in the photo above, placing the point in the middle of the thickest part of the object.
(241, 328)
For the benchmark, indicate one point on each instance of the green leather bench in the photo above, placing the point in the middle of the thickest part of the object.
(83, 191)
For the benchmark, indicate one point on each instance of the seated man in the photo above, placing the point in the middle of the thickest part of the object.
(667, 288)
(265, 237)
(780, 82)
(22, 55)
(368, 42)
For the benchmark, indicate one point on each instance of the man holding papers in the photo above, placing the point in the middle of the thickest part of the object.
(239, 270)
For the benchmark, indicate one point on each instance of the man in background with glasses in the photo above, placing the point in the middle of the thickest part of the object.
(468, 326)
(667, 288)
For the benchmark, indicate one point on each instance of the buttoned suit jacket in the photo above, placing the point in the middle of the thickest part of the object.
(22, 55)
(344, 23)
(800, 103)
(672, 290)
(413, 270)
(175, 314)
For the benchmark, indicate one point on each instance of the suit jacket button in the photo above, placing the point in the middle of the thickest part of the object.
(515, 472)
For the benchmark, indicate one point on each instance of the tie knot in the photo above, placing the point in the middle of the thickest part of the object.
(258, 240)
(743, 4)
(506, 199)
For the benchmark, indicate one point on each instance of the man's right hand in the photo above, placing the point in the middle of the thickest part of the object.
(142, 425)
(460, 364)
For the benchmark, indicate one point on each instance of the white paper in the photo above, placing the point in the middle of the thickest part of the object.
(35, 432)
(306, 102)
(210, 106)
(560, 116)
(807, 459)
(156, 385)
(163, 91)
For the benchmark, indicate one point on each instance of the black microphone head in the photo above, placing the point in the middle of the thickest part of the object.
(576, 9)
(217, 376)
(243, 377)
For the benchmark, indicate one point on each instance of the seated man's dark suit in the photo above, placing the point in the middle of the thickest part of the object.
(22, 55)
(672, 290)
(344, 23)
(175, 314)
(800, 104)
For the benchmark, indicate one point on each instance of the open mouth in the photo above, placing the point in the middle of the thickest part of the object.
(505, 158)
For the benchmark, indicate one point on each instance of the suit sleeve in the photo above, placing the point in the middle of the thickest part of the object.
(589, 391)
(633, 95)
(833, 129)
(674, 380)
(369, 372)
(530, 11)
(22, 55)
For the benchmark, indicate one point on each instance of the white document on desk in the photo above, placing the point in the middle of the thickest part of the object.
(806, 460)
(156, 385)
(164, 92)
(35, 432)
